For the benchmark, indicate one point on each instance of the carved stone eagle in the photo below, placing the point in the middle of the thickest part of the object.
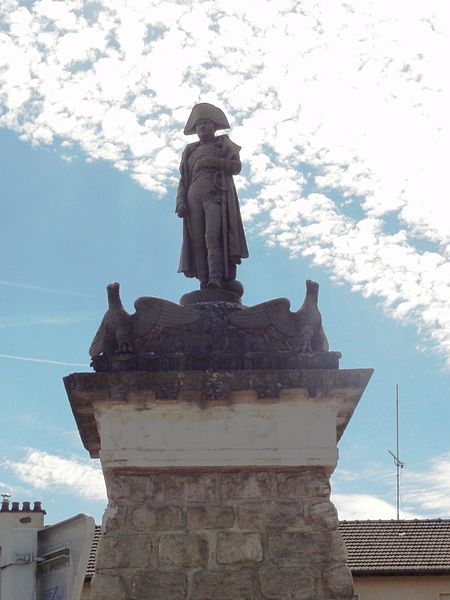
(115, 331)
(119, 330)
(305, 325)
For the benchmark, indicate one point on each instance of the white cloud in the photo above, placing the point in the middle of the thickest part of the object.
(14, 490)
(430, 489)
(341, 109)
(365, 506)
(424, 493)
(46, 471)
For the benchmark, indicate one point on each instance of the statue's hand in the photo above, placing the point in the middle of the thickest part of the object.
(208, 162)
(182, 209)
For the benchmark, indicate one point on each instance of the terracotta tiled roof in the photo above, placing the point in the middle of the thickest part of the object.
(90, 568)
(381, 547)
(397, 547)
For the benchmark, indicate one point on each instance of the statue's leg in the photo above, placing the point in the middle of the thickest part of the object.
(214, 243)
(232, 270)
(196, 220)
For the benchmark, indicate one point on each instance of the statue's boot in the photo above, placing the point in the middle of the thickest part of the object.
(232, 271)
(201, 264)
(215, 267)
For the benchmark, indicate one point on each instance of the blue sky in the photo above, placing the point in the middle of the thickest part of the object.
(341, 114)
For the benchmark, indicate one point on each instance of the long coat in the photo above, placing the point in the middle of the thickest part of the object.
(234, 243)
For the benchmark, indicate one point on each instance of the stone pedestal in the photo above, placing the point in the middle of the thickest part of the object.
(218, 482)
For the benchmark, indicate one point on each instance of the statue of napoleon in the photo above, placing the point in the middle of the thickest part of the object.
(213, 234)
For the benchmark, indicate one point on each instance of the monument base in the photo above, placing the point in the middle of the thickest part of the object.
(218, 483)
(221, 535)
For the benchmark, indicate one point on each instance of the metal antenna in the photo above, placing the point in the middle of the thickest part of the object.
(398, 463)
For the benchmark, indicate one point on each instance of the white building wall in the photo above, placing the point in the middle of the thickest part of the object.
(402, 587)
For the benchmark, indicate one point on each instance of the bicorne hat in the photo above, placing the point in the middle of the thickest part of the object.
(204, 110)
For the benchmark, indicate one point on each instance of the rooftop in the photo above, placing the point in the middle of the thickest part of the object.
(397, 547)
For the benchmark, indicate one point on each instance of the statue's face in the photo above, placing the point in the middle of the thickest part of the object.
(205, 129)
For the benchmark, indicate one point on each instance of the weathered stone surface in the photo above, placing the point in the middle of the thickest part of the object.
(339, 583)
(88, 390)
(234, 548)
(155, 585)
(306, 483)
(324, 514)
(245, 485)
(165, 487)
(183, 550)
(223, 585)
(115, 518)
(287, 584)
(290, 549)
(124, 551)
(108, 587)
(210, 517)
(148, 518)
(192, 487)
(201, 487)
(270, 515)
(127, 487)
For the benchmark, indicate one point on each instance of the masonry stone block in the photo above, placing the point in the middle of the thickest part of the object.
(108, 587)
(235, 548)
(183, 550)
(223, 585)
(292, 548)
(339, 583)
(191, 487)
(324, 514)
(127, 487)
(287, 584)
(270, 515)
(124, 551)
(148, 518)
(303, 484)
(246, 484)
(159, 585)
(210, 517)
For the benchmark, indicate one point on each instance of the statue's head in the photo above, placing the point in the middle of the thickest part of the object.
(206, 112)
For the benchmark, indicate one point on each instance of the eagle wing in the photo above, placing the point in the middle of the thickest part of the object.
(272, 313)
(152, 312)
(101, 338)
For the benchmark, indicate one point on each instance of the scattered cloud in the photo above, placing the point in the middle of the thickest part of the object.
(46, 471)
(364, 506)
(430, 490)
(14, 490)
(46, 361)
(424, 493)
(341, 110)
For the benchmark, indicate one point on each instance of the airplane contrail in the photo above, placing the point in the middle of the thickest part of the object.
(39, 288)
(43, 360)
